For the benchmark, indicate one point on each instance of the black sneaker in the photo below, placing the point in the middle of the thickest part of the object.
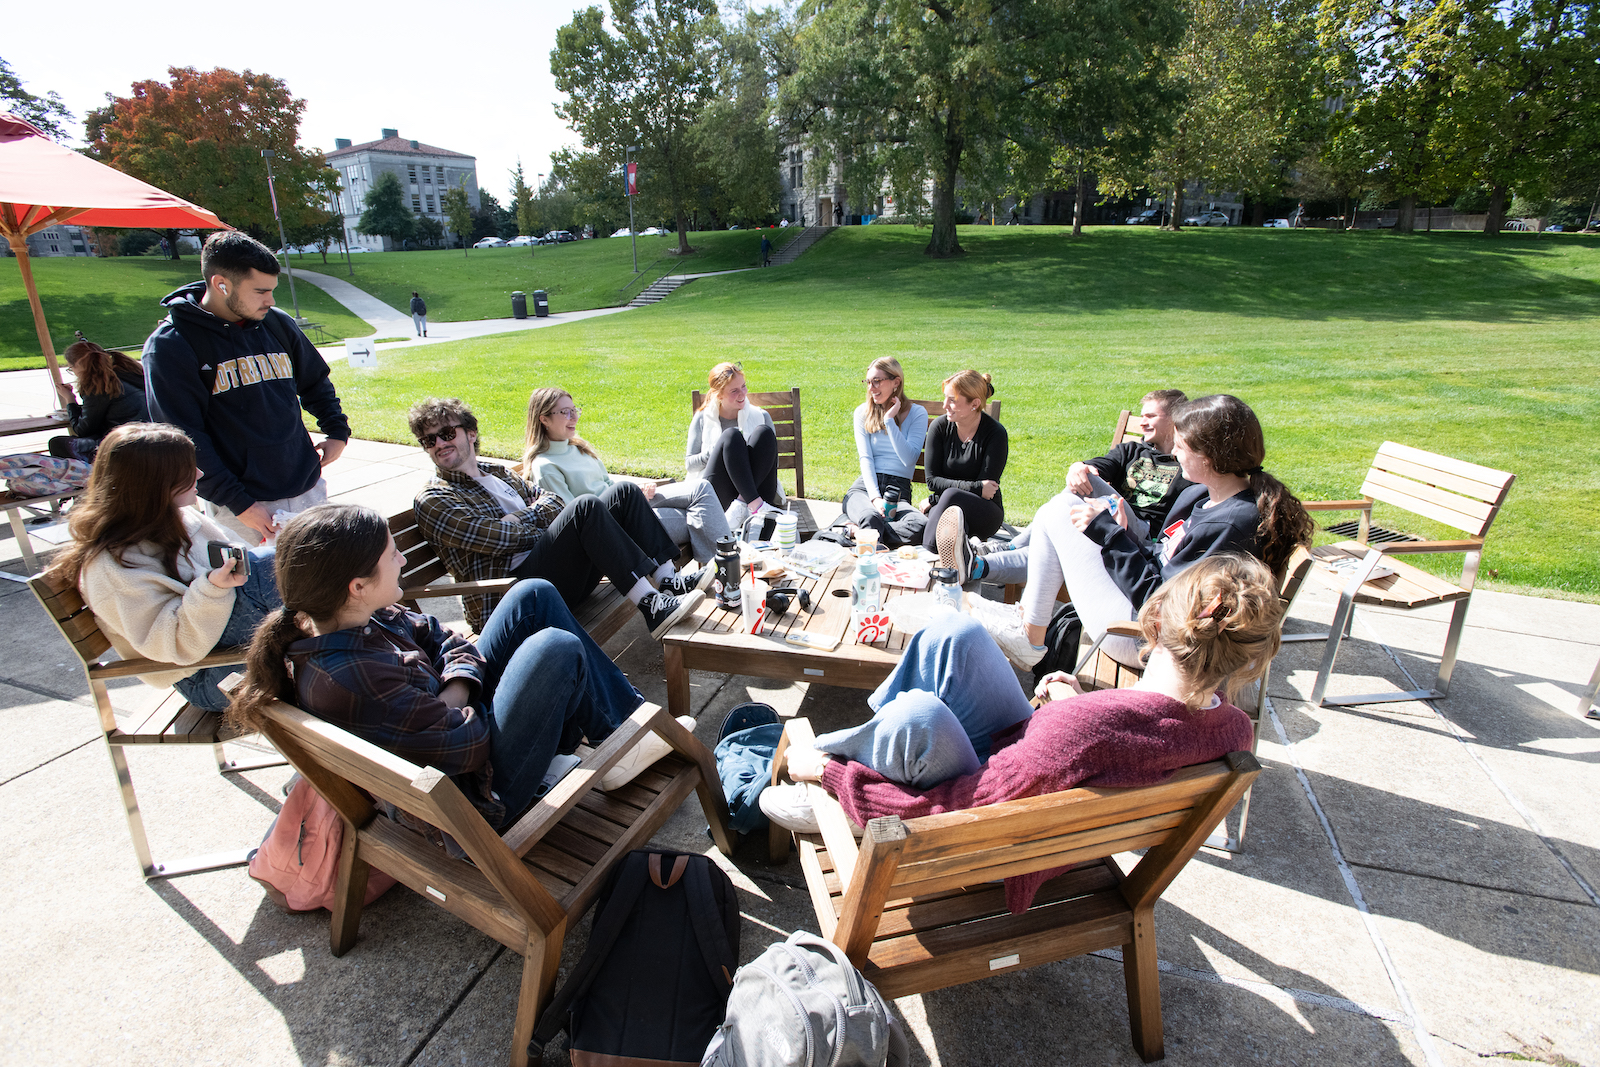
(681, 584)
(661, 611)
(954, 549)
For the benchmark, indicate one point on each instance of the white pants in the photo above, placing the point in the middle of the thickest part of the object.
(420, 321)
(317, 494)
(692, 515)
(1060, 553)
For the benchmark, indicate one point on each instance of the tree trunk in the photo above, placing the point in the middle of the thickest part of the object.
(1077, 206)
(682, 219)
(1496, 218)
(1406, 220)
(172, 244)
(942, 243)
(1177, 206)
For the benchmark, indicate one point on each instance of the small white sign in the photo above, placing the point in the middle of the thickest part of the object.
(1003, 962)
(361, 353)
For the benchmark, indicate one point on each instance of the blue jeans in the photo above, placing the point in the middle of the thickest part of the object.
(253, 601)
(548, 684)
(935, 715)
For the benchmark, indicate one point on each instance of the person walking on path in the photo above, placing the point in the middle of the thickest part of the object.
(766, 251)
(419, 314)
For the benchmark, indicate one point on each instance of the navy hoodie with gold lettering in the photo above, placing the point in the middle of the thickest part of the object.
(240, 400)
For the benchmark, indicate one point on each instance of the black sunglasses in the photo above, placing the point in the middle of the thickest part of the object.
(444, 433)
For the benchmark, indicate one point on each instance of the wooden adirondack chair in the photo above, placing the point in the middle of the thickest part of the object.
(174, 721)
(917, 907)
(525, 888)
(1459, 494)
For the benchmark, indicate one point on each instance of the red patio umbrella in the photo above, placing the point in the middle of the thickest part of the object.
(43, 183)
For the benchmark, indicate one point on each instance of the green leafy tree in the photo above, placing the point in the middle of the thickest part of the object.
(595, 189)
(321, 229)
(430, 230)
(458, 210)
(643, 81)
(736, 135)
(200, 135)
(386, 212)
(1253, 99)
(523, 208)
(47, 112)
(900, 90)
(1522, 113)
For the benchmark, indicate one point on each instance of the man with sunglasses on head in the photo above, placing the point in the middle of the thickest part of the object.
(487, 522)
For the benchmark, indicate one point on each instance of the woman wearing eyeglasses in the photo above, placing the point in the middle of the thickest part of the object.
(889, 433)
(560, 462)
(734, 446)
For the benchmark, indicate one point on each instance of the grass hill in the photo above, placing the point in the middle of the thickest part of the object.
(1477, 348)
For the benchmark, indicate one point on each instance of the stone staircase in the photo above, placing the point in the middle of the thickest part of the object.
(791, 251)
(657, 290)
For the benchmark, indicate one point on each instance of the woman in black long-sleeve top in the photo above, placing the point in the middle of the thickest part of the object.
(964, 457)
(113, 394)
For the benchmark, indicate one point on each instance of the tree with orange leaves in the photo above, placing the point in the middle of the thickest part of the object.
(200, 136)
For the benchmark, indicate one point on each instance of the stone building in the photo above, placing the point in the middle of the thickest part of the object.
(425, 172)
(59, 240)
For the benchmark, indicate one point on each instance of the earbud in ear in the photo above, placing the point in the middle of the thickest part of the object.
(224, 289)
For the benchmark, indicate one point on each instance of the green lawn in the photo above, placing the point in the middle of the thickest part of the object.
(117, 302)
(1478, 348)
(578, 275)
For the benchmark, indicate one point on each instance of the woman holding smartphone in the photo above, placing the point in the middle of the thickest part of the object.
(140, 557)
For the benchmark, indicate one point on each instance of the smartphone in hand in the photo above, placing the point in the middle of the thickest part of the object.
(220, 552)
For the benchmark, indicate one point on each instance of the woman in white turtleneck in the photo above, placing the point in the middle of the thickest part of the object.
(559, 461)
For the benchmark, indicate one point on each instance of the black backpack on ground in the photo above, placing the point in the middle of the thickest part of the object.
(1061, 640)
(653, 984)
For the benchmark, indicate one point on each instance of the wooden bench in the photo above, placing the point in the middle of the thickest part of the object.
(1449, 491)
(174, 721)
(526, 888)
(916, 906)
(602, 613)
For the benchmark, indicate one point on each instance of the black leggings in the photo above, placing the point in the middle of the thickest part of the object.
(983, 516)
(614, 535)
(744, 469)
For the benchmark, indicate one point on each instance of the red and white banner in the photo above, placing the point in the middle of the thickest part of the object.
(633, 179)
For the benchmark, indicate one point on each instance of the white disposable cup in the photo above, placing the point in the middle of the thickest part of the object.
(866, 540)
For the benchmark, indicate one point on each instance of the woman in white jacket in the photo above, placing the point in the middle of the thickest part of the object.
(139, 557)
(734, 446)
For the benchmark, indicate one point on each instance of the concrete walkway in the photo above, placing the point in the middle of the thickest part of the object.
(1418, 884)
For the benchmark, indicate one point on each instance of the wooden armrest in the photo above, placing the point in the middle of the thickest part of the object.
(488, 585)
(127, 668)
(1336, 505)
(1124, 629)
(1398, 548)
(836, 834)
(796, 731)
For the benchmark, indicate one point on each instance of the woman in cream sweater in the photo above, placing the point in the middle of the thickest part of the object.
(139, 557)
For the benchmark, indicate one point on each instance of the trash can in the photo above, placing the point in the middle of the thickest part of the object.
(519, 305)
(541, 304)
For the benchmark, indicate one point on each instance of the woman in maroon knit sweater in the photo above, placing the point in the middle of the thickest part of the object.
(1214, 627)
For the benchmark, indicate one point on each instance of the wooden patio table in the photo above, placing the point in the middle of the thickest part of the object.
(710, 640)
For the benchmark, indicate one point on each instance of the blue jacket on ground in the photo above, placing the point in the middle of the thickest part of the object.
(240, 402)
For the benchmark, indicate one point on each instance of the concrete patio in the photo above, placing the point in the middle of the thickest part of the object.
(1418, 883)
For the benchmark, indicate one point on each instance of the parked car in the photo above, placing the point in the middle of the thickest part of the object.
(490, 242)
(1207, 218)
(1276, 224)
(624, 232)
(522, 241)
(651, 231)
(1154, 216)
(556, 237)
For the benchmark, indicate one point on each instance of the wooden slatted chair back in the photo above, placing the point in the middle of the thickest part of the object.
(1126, 429)
(785, 411)
(1459, 494)
(73, 617)
(423, 566)
(935, 408)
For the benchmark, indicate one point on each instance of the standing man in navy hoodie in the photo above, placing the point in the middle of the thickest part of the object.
(233, 372)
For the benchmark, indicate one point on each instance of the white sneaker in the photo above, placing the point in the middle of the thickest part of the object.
(644, 753)
(789, 806)
(560, 767)
(1004, 624)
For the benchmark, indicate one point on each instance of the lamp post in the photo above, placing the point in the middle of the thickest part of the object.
(538, 183)
(629, 183)
(266, 154)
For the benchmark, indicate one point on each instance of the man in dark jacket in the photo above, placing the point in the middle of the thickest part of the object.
(233, 372)
(1143, 473)
(419, 314)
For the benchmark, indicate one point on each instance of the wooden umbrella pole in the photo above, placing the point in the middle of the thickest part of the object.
(19, 245)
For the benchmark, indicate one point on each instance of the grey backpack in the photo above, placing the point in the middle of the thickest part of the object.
(801, 1003)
